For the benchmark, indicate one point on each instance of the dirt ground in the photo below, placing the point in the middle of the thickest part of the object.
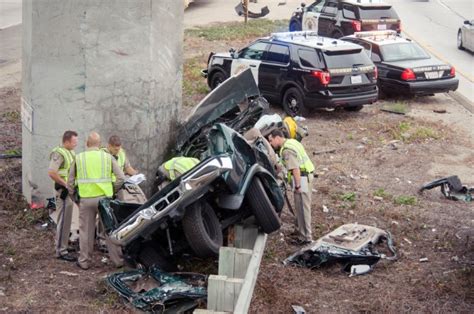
(379, 161)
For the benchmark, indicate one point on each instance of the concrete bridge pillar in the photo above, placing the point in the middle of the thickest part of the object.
(111, 66)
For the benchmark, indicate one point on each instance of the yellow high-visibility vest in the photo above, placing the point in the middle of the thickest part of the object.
(306, 165)
(68, 157)
(179, 164)
(94, 174)
(121, 157)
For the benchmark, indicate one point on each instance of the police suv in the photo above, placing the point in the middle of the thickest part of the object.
(301, 71)
(336, 18)
(404, 67)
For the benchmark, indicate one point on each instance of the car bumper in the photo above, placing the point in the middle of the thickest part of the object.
(330, 100)
(421, 88)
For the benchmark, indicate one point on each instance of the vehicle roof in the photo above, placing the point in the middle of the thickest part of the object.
(367, 3)
(312, 40)
(379, 38)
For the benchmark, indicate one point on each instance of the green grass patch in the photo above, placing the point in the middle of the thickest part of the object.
(396, 107)
(381, 193)
(239, 30)
(405, 200)
(194, 85)
(407, 132)
(348, 197)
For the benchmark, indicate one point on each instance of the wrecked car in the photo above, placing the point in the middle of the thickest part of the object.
(159, 292)
(350, 245)
(233, 181)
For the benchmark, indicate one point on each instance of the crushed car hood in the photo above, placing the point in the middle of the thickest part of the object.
(225, 98)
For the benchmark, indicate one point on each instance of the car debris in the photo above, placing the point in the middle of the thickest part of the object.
(233, 181)
(298, 309)
(159, 292)
(240, 9)
(452, 189)
(350, 245)
(423, 260)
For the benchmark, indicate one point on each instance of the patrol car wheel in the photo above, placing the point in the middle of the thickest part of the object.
(295, 26)
(293, 102)
(216, 79)
(262, 207)
(459, 41)
(202, 229)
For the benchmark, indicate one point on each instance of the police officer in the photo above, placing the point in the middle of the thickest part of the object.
(61, 158)
(300, 171)
(173, 168)
(114, 147)
(92, 173)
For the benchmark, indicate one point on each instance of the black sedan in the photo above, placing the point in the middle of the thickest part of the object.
(403, 66)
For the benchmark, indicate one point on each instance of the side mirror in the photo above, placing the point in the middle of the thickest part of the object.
(467, 22)
(233, 53)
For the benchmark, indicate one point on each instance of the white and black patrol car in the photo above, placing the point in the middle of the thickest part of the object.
(404, 67)
(337, 18)
(301, 71)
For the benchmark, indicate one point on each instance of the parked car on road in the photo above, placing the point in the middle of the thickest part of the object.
(465, 37)
(302, 71)
(337, 18)
(234, 180)
(403, 66)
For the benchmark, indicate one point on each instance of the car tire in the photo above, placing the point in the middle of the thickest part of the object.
(337, 34)
(295, 26)
(216, 79)
(354, 108)
(149, 256)
(293, 102)
(202, 229)
(262, 207)
(459, 40)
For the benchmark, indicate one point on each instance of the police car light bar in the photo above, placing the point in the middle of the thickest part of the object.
(376, 34)
(284, 35)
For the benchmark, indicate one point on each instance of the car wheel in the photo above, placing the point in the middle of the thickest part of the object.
(459, 41)
(216, 79)
(295, 26)
(202, 229)
(262, 207)
(293, 103)
(354, 108)
(337, 34)
(149, 256)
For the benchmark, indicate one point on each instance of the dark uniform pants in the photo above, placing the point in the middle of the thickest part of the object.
(63, 229)
(303, 209)
(87, 218)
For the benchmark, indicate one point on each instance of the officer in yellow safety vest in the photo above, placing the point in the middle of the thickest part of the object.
(300, 172)
(92, 174)
(173, 168)
(114, 147)
(61, 158)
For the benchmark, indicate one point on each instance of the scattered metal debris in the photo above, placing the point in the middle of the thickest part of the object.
(241, 11)
(350, 245)
(452, 189)
(423, 260)
(159, 292)
(68, 273)
(439, 110)
(298, 309)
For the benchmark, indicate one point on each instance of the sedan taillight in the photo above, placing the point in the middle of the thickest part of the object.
(408, 75)
(452, 72)
(376, 73)
(323, 76)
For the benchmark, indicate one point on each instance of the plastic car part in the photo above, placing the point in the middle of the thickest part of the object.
(452, 188)
(350, 245)
(160, 292)
(240, 10)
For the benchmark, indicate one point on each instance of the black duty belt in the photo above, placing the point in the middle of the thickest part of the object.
(305, 174)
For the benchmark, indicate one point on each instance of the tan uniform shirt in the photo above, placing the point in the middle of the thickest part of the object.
(120, 177)
(56, 161)
(290, 159)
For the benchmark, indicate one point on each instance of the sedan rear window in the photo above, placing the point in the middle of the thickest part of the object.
(346, 58)
(402, 51)
(376, 13)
